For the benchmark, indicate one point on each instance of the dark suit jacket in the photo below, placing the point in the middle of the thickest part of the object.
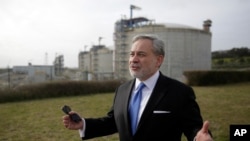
(170, 111)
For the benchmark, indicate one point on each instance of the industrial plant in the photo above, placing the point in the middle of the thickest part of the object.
(186, 48)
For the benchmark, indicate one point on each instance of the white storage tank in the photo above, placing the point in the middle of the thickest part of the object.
(186, 48)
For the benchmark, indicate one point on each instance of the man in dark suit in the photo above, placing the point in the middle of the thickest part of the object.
(167, 107)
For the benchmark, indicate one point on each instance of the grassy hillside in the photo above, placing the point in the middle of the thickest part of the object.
(42, 119)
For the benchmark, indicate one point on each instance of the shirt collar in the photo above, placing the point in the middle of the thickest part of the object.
(150, 82)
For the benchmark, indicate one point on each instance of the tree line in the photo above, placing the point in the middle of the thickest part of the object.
(232, 53)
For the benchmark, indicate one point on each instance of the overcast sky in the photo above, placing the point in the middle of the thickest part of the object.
(36, 31)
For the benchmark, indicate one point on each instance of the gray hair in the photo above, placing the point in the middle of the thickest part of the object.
(158, 44)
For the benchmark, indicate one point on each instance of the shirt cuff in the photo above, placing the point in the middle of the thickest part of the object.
(82, 131)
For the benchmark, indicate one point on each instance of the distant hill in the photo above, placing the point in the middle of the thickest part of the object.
(235, 58)
(232, 53)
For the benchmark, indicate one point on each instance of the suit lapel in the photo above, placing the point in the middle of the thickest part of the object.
(126, 92)
(158, 93)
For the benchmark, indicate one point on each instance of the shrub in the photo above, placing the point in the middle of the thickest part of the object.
(204, 78)
(57, 89)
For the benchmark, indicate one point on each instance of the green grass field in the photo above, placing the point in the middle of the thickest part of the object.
(41, 120)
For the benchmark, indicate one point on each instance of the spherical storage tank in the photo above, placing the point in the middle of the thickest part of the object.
(186, 48)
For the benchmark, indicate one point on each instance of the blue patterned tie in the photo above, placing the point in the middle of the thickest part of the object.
(135, 106)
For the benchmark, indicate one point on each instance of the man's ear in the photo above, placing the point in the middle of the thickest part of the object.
(160, 59)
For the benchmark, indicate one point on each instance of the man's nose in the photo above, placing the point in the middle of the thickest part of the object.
(134, 58)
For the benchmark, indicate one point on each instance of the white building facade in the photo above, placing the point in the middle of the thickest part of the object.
(36, 73)
(97, 63)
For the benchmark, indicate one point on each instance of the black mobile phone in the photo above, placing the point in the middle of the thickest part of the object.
(76, 118)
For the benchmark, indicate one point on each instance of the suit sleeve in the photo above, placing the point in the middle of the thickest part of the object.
(97, 127)
(192, 119)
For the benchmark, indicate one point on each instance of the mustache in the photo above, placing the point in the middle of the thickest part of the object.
(134, 65)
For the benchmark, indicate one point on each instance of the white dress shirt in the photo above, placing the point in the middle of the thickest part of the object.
(146, 91)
